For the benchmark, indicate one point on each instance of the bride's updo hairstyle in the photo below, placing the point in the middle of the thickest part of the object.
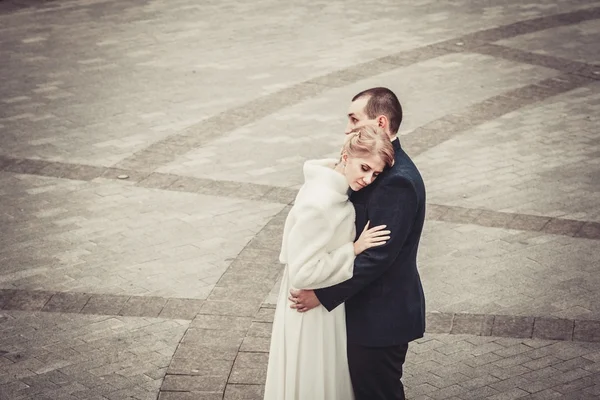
(369, 140)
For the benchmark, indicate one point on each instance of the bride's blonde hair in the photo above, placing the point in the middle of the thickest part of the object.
(369, 140)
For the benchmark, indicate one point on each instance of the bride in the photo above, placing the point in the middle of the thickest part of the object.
(307, 359)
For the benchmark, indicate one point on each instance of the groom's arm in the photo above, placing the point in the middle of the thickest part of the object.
(394, 203)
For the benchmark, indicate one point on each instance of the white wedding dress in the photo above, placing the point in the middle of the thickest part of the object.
(307, 359)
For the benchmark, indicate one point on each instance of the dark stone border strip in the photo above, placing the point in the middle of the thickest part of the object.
(241, 190)
(542, 328)
(560, 64)
(225, 319)
(274, 194)
(522, 222)
(167, 150)
(197, 135)
(217, 334)
(7, 8)
(476, 39)
(438, 131)
(226, 310)
(99, 304)
(155, 180)
(418, 141)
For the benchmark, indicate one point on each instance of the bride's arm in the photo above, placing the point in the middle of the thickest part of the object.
(394, 204)
(310, 265)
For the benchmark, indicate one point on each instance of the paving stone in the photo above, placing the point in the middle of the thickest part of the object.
(67, 366)
(5, 296)
(181, 308)
(512, 326)
(256, 344)
(226, 339)
(221, 322)
(244, 392)
(105, 304)
(27, 301)
(562, 227)
(472, 324)
(165, 395)
(230, 308)
(260, 329)
(187, 383)
(67, 302)
(143, 306)
(158, 181)
(587, 331)
(439, 322)
(590, 230)
(249, 369)
(238, 293)
(195, 366)
(528, 222)
(554, 329)
(265, 314)
(194, 351)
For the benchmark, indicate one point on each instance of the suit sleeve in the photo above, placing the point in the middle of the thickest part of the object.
(310, 265)
(393, 204)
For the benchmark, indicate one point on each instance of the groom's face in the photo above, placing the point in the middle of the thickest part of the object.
(357, 116)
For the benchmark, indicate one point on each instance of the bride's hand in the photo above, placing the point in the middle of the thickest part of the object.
(375, 236)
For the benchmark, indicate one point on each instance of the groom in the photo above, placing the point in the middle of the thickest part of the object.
(385, 305)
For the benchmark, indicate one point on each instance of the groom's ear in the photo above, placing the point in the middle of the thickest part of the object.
(383, 122)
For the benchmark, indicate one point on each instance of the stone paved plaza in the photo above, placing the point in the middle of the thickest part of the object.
(150, 151)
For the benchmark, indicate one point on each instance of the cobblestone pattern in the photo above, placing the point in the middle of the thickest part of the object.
(458, 366)
(105, 103)
(154, 180)
(50, 356)
(191, 309)
(281, 142)
(502, 271)
(275, 194)
(217, 333)
(546, 163)
(113, 238)
(99, 304)
(577, 42)
(515, 221)
(82, 93)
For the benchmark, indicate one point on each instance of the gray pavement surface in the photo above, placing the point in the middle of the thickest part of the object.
(149, 152)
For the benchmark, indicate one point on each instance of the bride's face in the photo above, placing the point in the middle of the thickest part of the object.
(362, 171)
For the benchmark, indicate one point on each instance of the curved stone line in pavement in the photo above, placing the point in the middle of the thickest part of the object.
(167, 150)
(155, 180)
(218, 317)
(419, 140)
(521, 222)
(543, 60)
(274, 194)
(218, 332)
(440, 130)
(542, 328)
(476, 39)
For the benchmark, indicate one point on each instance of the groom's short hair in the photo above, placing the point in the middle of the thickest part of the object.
(382, 101)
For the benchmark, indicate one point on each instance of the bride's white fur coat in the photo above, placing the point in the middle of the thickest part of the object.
(307, 357)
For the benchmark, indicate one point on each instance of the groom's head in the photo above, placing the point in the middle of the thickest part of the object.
(376, 106)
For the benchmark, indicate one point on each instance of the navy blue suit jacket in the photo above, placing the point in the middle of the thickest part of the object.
(385, 304)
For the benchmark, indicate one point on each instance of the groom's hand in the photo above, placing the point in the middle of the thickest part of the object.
(303, 300)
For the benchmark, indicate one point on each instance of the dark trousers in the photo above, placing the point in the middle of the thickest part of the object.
(376, 371)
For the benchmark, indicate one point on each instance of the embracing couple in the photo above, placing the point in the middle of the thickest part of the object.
(351, 297)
